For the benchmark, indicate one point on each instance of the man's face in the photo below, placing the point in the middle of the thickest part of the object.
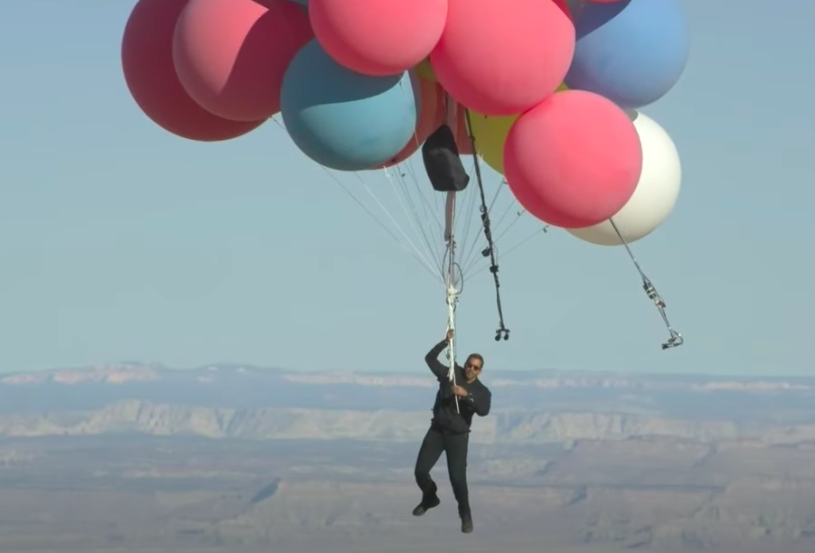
(472, 368)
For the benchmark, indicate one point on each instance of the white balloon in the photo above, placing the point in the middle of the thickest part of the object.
(655, 195)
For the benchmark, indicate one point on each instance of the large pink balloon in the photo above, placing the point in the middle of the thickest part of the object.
(378, 37)
(147, 63)
(574, 160)
(503, 57)
(231, 55)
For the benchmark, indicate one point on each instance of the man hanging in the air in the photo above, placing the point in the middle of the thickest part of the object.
(449, 430)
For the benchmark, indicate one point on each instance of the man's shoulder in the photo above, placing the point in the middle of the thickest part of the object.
(483, 386)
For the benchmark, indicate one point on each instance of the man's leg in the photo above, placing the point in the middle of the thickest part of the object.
(429, 454)
(457, 445)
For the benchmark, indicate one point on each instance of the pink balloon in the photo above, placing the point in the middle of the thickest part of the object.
(378, 37)
(574, 160)
(503, 57)
(231, 55)
(429, 120)
(147, 63)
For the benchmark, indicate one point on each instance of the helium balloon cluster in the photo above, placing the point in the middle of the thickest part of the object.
(551, 86)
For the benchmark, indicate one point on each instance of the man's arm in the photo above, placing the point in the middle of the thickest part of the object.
(481, 401)
(433, 362)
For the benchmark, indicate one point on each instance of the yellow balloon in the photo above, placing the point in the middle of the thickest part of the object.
(490, 134)
(425, 71)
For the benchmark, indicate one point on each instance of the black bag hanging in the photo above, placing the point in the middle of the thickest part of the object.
(443, 163)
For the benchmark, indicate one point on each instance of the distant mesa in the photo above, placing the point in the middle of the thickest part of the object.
(109, 374)
(130, 372)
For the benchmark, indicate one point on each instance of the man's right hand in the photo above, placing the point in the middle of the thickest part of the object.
(450, 334)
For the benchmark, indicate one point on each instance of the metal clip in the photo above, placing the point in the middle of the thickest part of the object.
(675, 340)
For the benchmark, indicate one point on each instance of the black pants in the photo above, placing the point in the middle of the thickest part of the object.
(435, 442)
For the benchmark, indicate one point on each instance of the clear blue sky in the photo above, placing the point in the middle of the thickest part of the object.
(119, 241)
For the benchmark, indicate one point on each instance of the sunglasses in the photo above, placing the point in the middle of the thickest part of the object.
(472, 366)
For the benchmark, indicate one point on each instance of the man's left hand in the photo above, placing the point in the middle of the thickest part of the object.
(459, 391)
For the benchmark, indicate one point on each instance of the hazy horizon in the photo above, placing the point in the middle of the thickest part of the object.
(419, 371)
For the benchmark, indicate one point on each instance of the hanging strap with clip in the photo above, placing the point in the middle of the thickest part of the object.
(675, 339)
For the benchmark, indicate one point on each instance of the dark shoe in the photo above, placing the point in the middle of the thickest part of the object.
(466, 523)
(425, 506)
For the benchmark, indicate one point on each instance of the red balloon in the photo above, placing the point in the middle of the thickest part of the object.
(574, 160)
(564, 7)
(503, 57)
(147, 63)
(430, 118)
(378, 37)
(231, 55)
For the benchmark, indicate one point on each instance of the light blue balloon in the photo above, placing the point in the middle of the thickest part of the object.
(632, 52)
(345, 120)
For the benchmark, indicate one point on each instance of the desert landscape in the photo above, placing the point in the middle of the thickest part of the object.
(226, 458)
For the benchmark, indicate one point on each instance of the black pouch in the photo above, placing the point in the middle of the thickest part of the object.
(443, 163)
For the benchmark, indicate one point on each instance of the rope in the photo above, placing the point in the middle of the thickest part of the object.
(452, 291)
(428, 265)
(504, 255)
(409, 246)
(418, 229)
(675, 338)
(489, 251)
(465, 245)
(452, 300)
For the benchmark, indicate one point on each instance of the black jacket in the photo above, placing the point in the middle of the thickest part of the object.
(444, 410)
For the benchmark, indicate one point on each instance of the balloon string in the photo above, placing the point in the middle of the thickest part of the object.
(675, 339)
(489, 251)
